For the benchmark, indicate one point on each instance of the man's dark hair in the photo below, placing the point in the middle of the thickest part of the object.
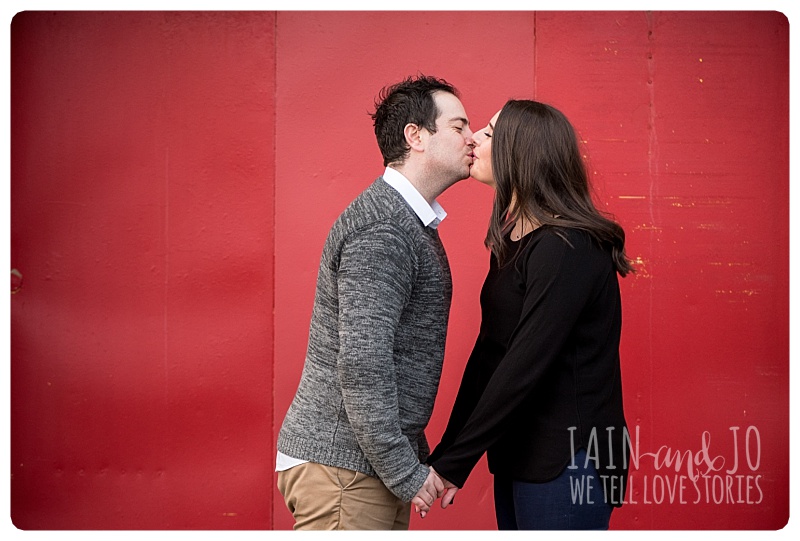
(408, 102)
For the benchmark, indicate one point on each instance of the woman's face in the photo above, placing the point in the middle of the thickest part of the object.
(482, 164)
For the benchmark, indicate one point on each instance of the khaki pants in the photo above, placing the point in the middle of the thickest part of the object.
(328, 498)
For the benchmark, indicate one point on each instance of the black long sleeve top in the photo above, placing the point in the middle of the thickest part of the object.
(543, 379)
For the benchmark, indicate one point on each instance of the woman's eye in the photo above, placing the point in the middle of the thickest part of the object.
(487, 134)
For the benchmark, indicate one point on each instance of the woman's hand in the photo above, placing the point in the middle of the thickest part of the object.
(450, 490)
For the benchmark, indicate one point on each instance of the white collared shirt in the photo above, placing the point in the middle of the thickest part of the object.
(431, 215)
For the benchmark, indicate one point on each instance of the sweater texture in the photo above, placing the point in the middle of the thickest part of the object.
(376, 345)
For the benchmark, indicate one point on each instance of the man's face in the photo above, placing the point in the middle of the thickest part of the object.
(449, 150)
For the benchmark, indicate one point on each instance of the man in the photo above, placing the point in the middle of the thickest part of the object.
(352, 446)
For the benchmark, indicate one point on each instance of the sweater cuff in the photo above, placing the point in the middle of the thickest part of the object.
(408, 487)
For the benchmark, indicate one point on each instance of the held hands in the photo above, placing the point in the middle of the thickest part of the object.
(449, 492)
(433, 488)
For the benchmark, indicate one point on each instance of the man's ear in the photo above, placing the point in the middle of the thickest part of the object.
(413, 135)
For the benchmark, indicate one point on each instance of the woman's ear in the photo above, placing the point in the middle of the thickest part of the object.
(413, 135)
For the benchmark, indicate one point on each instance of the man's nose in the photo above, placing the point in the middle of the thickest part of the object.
(470, 137)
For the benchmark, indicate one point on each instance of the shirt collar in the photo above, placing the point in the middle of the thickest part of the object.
(431, 215)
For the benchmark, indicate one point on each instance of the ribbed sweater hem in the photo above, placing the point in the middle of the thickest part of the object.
(351, 459)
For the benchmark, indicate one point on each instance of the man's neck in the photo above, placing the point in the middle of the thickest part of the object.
(419, 181)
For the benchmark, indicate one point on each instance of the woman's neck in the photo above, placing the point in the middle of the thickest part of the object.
(522, 227)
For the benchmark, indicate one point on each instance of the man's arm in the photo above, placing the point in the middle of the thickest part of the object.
(424, 448)
(375, 279)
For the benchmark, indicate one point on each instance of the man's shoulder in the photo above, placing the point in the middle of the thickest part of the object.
(379, 205)
(378, 196)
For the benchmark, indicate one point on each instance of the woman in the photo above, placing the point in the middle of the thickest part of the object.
(541, 390)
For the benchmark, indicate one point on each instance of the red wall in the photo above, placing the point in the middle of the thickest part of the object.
(173, 178)
(142, 224)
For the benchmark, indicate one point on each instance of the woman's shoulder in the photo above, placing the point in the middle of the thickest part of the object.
(556, 237)
(561, 235)
(568, 243)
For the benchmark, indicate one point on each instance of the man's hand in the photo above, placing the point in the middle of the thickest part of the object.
(449, 490)
(431, 489)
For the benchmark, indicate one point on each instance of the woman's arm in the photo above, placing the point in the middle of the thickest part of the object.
(559, 281)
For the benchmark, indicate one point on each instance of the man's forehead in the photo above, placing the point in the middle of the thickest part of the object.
(450, 108)
(458, 120)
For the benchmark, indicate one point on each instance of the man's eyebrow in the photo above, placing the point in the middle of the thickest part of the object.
(460, 119)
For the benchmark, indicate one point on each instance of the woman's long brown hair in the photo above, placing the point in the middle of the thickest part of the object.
(540, 176)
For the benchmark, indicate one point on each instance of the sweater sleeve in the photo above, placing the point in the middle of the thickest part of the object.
(557, 288)
(375, 280)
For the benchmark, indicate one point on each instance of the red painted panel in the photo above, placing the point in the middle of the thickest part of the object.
(330, 67)
(141, 224)
(685, 118)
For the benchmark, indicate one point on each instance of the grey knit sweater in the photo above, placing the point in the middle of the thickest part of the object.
(376, 345)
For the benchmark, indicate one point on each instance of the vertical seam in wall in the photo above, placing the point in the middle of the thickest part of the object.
(534, 56)
(166, 35)
(166, 277)
(652, 172)
(274, 242)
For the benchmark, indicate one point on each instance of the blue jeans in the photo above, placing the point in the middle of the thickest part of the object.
(564, 503)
